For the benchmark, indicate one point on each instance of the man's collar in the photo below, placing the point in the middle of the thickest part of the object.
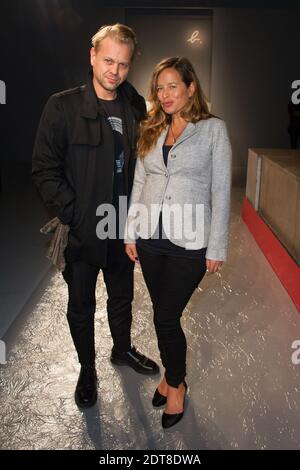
(89, 107)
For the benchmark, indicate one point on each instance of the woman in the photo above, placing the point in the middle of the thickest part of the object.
(177, 226)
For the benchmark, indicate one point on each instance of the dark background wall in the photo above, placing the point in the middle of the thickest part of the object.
(174, 29)
(255, 57)
(44, 49)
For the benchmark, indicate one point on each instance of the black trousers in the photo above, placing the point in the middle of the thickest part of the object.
(81, 279)
(171, 282)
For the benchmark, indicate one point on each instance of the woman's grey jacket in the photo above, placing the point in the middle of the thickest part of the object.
(193, 191)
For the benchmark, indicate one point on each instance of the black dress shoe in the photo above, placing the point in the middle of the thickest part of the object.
(86, 389)
(158, 399)
(169, 420)
(136, 360)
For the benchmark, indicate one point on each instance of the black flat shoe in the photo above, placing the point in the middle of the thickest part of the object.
(169, 420)
(86, 389)
(136, 360)
(158, 399)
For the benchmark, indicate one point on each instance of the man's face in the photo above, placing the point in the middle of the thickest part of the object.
(110, 66)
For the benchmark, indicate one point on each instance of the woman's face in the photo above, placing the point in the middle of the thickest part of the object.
(172, 92)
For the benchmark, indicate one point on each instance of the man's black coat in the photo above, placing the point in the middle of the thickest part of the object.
(73, 162)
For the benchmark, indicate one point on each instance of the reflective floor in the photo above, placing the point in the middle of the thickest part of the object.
(244, 390)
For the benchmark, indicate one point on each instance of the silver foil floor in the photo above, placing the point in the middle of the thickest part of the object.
(243, 386)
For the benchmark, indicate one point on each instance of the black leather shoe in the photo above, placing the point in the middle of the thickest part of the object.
(158, 399)
(169, 420)
(136, 360)
(86, 389)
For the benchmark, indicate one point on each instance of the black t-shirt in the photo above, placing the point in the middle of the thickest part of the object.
(113, 111)
(160, 244)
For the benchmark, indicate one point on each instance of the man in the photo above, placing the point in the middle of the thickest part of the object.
(84, 157)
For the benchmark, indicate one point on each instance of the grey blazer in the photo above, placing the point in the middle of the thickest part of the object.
(193, 191)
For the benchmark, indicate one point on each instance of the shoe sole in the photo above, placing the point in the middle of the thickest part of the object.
(118, 362)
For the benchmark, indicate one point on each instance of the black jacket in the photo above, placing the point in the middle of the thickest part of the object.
(73, 162)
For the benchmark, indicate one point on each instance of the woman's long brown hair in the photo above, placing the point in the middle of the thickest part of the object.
(157, 119)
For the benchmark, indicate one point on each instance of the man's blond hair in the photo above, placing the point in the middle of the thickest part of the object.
(119, 32)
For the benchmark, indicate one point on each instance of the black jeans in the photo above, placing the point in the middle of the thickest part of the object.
(171, 281)
(81, 279)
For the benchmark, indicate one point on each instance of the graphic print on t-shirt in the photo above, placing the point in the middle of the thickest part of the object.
(116, 125)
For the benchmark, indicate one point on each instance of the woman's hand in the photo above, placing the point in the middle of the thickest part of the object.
(130, 249)
(213, 265)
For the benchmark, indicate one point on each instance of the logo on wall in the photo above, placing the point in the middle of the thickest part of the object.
(296, 95)
(195, 37)
(2, 92)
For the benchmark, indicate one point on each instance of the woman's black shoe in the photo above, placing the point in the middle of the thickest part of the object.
(169, 420)
(158, 399)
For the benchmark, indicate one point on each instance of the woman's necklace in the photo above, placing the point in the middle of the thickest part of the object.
(172, 132)
(173, 136)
